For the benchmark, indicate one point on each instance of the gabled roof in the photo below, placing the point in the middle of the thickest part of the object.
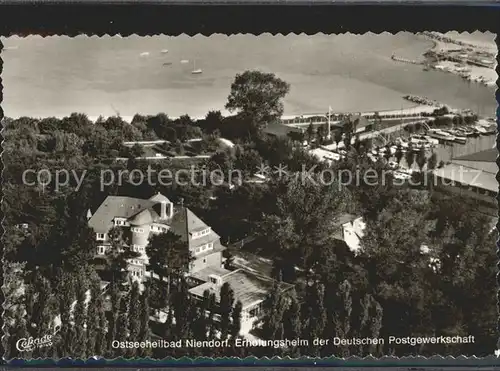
(185, 222)
(116, 206)
(142, 212)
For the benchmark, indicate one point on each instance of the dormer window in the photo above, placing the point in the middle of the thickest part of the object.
(202, 233)
(101, 236)
(120, 222)
(158, 228)
(215, 279)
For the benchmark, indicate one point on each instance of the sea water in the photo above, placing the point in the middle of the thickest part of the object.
(56, 76)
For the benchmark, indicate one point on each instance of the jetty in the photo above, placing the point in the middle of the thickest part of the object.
(405, 60)
(422, 100)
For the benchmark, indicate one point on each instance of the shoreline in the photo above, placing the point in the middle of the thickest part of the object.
(461, 58)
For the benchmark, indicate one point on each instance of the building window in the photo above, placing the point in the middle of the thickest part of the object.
(200, 249)
(204, 260)
(101, 236)
(138, 230)
(201, 233)
(137, 248)
(101, 250)
(156, 228)
(120, 222)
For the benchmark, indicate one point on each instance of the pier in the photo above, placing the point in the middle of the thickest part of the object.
(416, 112)
(404, 60)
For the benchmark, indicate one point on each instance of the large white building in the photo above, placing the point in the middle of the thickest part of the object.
(143, 218)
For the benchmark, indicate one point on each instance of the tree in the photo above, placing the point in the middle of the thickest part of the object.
(228, 263)
(292, 325)
(432, 162)
(341, 317)
(258, 95)
(357, 144)
(421, 159)
(122, 331)
(392, 247)
(212, 326)
(80, 320)
(134, 316)
(296, 136)
(201, 325)
(115, 297)
(320, 134)
(15, 315)
(136, 151)
(301, 221)
(168, 257)
(118, 253)
(410, 157)
(95, 312)
(377, 121)
(315, 315)
(274, 307)
(17, 330)
(310, 132)
(248, 161)
(373, 324)
(65, 297)
(144, 312)
(337, 137)
(387, 154)
(225, 309)
(183, 311)
(236, 319)
(213, 121)
(399, 153)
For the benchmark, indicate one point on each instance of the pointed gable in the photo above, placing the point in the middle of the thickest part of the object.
(185, 223)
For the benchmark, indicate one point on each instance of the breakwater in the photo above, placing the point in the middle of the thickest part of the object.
(405, 60)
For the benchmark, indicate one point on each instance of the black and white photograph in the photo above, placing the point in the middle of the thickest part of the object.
(250, 196)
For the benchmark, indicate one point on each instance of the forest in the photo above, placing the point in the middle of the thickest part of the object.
(390, 288)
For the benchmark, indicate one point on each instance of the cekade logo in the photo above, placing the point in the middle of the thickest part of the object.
(28, 344)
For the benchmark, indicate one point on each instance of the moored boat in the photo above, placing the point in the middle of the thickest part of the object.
(459, 137)
(441, 135)
(196, 71)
